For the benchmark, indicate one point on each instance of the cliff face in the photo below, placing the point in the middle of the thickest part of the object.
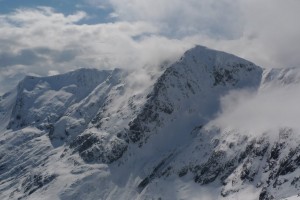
(88, 135)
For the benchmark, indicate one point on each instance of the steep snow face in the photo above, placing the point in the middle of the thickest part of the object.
(41, 101)
(78, 116)
(88, 134)
(95, 126)
(48, 116)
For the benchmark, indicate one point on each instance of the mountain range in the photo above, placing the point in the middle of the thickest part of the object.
(99, 134)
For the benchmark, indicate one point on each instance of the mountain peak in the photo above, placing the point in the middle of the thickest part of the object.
(211, 57)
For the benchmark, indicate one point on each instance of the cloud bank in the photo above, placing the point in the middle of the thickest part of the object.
(269, 109)
(176, 18)
(43, 42)
(264, 31)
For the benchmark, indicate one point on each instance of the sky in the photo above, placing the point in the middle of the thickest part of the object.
(49, 37)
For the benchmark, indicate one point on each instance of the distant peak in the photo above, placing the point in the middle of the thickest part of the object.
(205, 51)
(82, 76)
(197, 46)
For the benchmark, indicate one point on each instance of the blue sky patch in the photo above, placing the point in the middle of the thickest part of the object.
(96, 14)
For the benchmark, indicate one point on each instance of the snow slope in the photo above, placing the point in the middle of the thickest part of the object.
(88, 134)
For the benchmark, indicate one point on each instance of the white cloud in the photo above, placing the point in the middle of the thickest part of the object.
(41, 41)
(216, 18)
(264, 31)
(274, 25)
(102, 4)
(270, 109)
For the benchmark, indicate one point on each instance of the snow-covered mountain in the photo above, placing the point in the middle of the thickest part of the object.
(89, 134)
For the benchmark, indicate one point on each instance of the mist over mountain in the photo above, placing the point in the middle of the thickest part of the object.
(210, 125)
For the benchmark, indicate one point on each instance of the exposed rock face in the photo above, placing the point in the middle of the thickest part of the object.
(35, 182)
(88, 135)
(98, 149)
(236, 161)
